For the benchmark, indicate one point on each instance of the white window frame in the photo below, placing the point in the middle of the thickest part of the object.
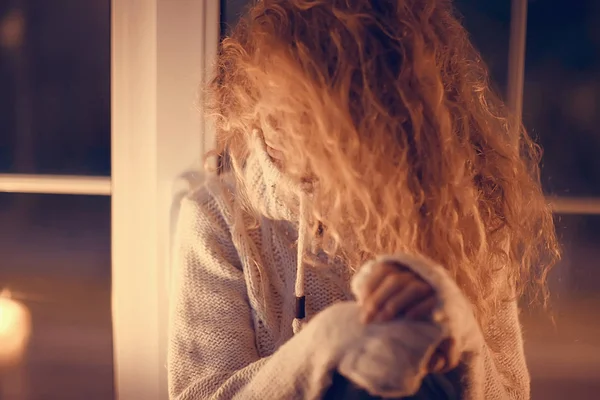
(162, 51)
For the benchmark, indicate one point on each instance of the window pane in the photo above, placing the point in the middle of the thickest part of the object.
(562, 92)
(55, 86)
(230, 13)
(564, 357)
(56, 261)
(488, 23)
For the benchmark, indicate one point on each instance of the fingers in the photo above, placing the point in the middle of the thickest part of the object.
(377, 303)
(447, 349)
(389, 290)
(371, 281)
(442, 360)
(404, 299)
(423, 309)
(437, 363)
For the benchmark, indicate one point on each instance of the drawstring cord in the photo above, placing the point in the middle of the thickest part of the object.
(300, 272)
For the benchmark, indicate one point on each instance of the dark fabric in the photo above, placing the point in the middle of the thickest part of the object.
(434, 387)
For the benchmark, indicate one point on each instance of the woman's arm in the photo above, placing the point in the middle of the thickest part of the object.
(212, 344)
(502, 370)
(492, 365)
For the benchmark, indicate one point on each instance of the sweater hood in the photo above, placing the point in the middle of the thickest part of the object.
(275, 196)
(270, 192)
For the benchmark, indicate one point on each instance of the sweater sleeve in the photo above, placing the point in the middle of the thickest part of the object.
(492, 363)
(212, 346)
(502, 371)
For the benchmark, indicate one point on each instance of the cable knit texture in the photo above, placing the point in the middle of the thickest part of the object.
(232, 307)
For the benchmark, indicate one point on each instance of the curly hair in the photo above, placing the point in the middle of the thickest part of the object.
(388, 107)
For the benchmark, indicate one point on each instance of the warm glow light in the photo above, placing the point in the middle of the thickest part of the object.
(15, 329)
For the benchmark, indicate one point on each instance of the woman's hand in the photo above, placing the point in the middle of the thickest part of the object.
(390, 290)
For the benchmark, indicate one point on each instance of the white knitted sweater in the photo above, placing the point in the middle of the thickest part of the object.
(233, 301)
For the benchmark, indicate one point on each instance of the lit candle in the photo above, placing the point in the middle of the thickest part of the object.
(15, 329)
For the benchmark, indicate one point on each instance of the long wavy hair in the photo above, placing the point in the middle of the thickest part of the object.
(387, 106)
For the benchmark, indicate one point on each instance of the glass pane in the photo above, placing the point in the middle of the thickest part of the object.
(562, 93)
(55, 80)
(230, 13)
(56, 262)
(564, 354)
(488, 22)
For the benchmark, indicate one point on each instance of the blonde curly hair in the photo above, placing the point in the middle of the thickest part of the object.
(388, 107)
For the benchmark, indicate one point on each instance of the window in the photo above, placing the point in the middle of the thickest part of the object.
(55, 229)
(559, 108)
(159, 54)
(559, 105)
(561, 94)
(488, 23)
(55, 91)
(56, 261)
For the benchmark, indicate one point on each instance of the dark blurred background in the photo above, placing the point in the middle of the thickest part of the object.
(55, 249)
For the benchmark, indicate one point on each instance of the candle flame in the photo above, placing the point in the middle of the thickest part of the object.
(15, 328)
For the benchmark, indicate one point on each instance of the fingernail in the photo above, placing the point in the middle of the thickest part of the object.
(437, 316)
(435, 364)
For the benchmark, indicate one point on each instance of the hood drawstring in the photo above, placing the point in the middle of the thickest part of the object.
(303, 243)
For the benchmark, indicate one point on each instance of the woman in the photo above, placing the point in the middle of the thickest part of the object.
(381, 218)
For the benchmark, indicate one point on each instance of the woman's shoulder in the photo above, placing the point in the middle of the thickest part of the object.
(210, 205)
(216, 209)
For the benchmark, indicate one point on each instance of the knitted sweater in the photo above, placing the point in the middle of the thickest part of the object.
(233, 300)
